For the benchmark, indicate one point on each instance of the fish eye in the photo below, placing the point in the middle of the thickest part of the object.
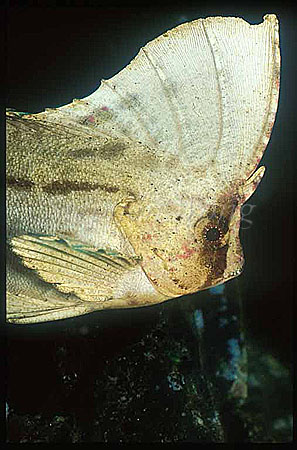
(212, 234)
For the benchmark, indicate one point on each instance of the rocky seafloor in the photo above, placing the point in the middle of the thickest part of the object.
(185, 372)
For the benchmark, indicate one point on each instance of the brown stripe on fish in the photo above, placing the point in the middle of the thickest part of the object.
(216, 246)
(107, 150)
(20, 184)
(66, 187)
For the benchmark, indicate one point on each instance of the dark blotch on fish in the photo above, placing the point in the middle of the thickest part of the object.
(111, 150)
(218, 261)
(82, 153)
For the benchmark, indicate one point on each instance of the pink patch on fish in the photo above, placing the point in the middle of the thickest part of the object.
(187, 252)
(146, 237)
(104, 108)
(91, 119)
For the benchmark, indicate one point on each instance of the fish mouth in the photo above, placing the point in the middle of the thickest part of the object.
(227, 276)
(233, 274)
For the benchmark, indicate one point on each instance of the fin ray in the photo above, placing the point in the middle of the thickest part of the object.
(91, 274)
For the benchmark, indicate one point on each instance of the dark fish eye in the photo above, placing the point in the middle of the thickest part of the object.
(212, 234)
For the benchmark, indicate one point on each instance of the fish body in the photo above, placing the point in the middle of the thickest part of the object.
(132, 196)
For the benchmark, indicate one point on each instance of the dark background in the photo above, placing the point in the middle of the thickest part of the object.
(57, 54)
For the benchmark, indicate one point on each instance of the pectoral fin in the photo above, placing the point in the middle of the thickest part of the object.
(91, 274)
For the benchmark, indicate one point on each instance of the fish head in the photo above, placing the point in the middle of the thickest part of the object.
(220, 256)
(181, 254)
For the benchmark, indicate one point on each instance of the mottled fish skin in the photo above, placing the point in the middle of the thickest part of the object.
(114, 201)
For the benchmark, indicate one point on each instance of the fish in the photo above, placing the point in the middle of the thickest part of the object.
(132, 195)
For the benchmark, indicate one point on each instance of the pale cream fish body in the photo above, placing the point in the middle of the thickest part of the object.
(132, 196)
